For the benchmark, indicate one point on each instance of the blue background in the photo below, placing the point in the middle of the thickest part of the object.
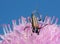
(13, 9)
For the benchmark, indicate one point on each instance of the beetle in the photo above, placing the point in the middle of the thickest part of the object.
(35, 25)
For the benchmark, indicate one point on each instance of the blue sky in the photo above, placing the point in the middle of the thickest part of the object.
(13, 9)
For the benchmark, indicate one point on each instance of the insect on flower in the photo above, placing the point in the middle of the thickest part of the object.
(35, 24)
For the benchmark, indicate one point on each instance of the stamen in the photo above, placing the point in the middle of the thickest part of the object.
(56, 21)
(6, 28)
(52, 19)
(29, 19)
(19, 21)
(4, 31)
(48, 20)
(9, 28)
(23, 20)
(14, 22)
(45, 19)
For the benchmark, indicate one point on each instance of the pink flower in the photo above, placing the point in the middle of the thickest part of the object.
(22, 33)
